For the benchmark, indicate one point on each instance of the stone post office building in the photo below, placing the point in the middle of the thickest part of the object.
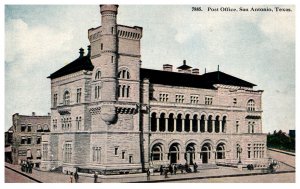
(112, 116)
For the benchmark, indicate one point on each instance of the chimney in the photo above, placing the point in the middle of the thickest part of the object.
(81, 52)
(33, 113)
(168, 67)
(89, 51)
(184, 62)
(195, 71)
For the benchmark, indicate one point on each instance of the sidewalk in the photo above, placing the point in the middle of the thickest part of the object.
(50, 177)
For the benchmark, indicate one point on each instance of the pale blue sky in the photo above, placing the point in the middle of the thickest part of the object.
(258, 47)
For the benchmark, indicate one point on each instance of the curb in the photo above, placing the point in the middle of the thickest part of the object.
(283, 152)
(207, 177)
(38, 181)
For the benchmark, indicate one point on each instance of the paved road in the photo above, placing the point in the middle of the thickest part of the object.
(269, 178)
(290, 160)
(13, 177)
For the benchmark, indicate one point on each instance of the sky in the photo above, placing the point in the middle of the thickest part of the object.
(258, 47)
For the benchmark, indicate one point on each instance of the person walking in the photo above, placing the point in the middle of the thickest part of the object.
(148, 175)
(175, 169)
(71, 177)
(171, 169)
(161, 170)
(95, 177)
(76, 177)
(195, 167)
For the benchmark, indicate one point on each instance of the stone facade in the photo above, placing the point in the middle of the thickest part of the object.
(116, 117)
(27, 137)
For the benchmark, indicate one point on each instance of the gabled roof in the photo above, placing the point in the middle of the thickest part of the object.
(81, 63)
(205, 81)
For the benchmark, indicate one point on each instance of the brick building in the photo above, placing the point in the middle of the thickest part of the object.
(109, 114)
(27, 137)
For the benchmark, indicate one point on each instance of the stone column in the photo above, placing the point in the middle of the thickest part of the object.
(182, 126)
(175, 125)
(220, 126)
(157, 124)
(205, 125)
(213, 125)
(198, 125)
(166, 123)
(191, 125)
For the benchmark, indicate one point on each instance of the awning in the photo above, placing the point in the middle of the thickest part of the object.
(253, 117)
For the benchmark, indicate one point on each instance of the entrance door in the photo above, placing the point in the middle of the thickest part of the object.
(173, 158)
(204, 157)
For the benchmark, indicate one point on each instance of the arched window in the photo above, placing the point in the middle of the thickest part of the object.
(124, 74)
(98, 75)
(153, 122)
(220, 151)
(251, 105)
(157, 153)
(67, 98)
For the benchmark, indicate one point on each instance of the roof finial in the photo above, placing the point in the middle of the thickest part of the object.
(81, 52)
(184, 62)
(89, 51)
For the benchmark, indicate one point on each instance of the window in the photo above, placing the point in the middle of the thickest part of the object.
(45, 151)
(237, 126)
(28, 140)
(112, 59)
(38, 154)
(97, 92)
(251, 105)
(54, 100)
(98, 75)
(78, 123)
(23, 128)
(66, 123)
(123, 154)
(258, 150)
(116, 150)
(39, 128)
(124, 91)
(208, 100)
(251, 127)
(67, 152)
(67, 98)
(101, 46)
(124, 74)
(112, 30)
(234, 101)
(194, 99)
(54, 121)
(163, 97)
(23, 140)
(179, 98)
(29, 128)
(249, 150)
(157, 153)
(130, 159)
(97, 154)
(78, 99)
(38, 140)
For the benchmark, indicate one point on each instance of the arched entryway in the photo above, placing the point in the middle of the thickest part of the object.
(206, 152)
(190, 153)
(174, 153)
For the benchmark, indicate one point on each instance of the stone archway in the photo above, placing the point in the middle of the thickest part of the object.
(190, 153)
(206, 152)
(174, 153)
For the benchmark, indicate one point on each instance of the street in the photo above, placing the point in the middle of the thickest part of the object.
(13, 177)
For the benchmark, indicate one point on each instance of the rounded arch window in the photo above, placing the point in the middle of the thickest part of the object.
(124, 74)
(67, 98)
(98, 75)
(251, 105)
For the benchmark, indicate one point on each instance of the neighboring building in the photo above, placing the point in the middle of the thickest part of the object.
(292, 133)
(109, 114)
(27, 137)
(8, 143)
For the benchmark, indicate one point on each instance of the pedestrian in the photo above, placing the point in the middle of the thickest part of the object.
(29, 167)
(76, 177)
(195, 167)
(166, 173)
(186, 166)
(26, 167)
(148, 175)
(171, 169)
(161, 170)
(175, 169)
(71, 177)
(95, 177)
